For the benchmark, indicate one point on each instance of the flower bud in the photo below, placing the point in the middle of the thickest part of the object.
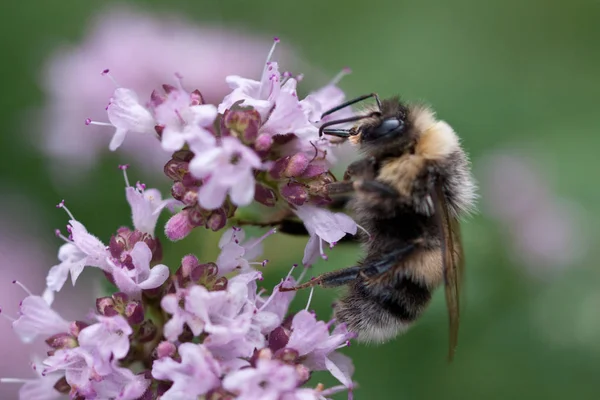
(313, 170)
(278, 338)
(216, 220)
(178, 226)
(165, 349)
(264, 195)
(76, 327)
(263, 143)
(288, 356)
(62, 341)
(296, 165)
(244, 123)
(178, 190)
(106, 306)
(196, 98)
(303, 373)
(176, 170)
(134, 312)
(190, 198)
(294, 193)
(220, 284)
(62, 386)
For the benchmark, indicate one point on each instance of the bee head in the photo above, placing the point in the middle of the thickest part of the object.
(389, 124)
(386, 123)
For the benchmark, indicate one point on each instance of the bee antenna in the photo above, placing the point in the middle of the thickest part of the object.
(343, 132)
(353, 101)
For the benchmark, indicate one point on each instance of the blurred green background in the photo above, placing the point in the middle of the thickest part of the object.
(516, 74)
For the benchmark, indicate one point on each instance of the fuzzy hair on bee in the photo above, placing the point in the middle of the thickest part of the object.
(408, 191)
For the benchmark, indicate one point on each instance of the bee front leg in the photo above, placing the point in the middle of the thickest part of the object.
(364, 168)
(330, 279)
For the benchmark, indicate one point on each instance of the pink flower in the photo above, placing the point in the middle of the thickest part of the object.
(183, 119)
(126, 114)
(83, 250)
(228, 169)
(146, 205)
(170, 303)
(226, 314)
(141, 276)
(144, 51)
(39, 388)
(36, 317)
(311, 339)
(120, 384)
(78, 367)
(323, 225)
(288, 115)
(196, 374)
(106, 340)
(269, 380)
(260, 95)
(237, 254)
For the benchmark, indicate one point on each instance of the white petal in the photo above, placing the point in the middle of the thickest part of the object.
(117, 139)
(340, 367)
(57, 276)
(203, 115)
(204, 162)
(212, 195)
(126, 112)
(311, 251)
(141, 256)
(172, 139)
(242, 193)
(124, 282)
(38, 318)
(158, 275)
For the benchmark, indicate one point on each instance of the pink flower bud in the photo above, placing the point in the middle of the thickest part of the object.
(165, 349)
(263, 143)
(178, 190)
(279, 338)
(216, 220)
(244, 123)
(62, 341)
(264, 195)
(134, 313)
(196, 98)
(296, 165)
(294, 193)
(106, 306)
(313, 170)
(178, 226)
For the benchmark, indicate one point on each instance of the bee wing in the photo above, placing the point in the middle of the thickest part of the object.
(452, 262)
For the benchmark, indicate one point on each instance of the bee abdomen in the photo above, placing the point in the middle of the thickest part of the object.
(379, 311)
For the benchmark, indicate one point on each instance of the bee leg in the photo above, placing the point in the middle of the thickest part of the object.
(375, 187)
(329, 279)
(364, 168)
(384, 264)
(342, 187)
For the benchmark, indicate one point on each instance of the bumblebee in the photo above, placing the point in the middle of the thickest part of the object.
(409, 191)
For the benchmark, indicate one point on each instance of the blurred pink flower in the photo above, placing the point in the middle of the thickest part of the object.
(544, 230)
(27, 252)
(144, 51)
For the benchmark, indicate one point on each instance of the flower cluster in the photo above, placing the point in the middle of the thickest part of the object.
(128, 39)
(204, 329)
(260, 144)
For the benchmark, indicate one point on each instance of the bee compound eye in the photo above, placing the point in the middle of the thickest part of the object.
(387, 126)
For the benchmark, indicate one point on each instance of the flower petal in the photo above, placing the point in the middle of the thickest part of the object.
(158, 275)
